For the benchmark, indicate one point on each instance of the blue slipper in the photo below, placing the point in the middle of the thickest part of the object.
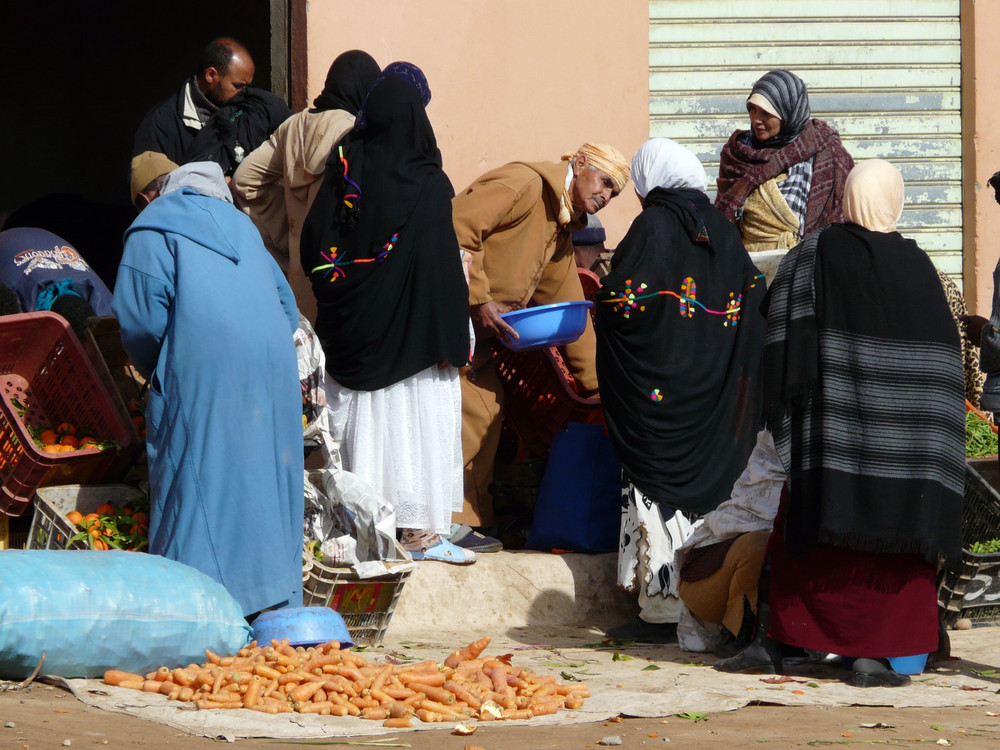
(445, 551)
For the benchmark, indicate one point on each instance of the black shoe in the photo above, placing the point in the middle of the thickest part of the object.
(873, 673)
(644, 632)
(754, 659)
(729, 645)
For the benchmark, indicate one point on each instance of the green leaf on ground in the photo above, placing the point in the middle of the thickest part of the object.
(692, 716)
(569, 676)
(649, 668)
(621, 657)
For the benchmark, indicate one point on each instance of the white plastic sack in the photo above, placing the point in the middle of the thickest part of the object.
(90, 611)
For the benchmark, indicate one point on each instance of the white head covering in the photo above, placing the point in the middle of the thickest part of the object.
(204, 177)
(873, 195)
(661, 162)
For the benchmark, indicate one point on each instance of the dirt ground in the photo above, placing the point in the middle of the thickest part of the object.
(45, 717)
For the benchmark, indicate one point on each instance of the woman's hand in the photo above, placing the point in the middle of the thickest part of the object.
(486, 318)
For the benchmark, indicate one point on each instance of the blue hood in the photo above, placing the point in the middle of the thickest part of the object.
(193, 216)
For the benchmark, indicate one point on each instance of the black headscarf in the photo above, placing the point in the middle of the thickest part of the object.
(790, 99)
(679, 376)
(347, 82)
(392, 299)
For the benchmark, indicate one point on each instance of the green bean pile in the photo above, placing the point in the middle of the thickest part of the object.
(980, 440)
(985, 548)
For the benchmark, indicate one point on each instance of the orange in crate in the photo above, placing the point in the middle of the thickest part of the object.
(47, 379)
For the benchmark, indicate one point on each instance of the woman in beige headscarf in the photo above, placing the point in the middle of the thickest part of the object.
(863, 395)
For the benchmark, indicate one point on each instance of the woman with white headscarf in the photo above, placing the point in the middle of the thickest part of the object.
(863, 392)
(679, 343)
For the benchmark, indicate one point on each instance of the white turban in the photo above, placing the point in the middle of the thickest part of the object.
(663, 163)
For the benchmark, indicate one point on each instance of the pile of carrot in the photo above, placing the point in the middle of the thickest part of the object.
(329, 681)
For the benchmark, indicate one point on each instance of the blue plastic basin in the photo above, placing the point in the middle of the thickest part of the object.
(908, 664)
(302, 626)
(547, 325)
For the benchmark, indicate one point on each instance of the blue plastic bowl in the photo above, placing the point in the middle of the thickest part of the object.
(302, 626)
(547, 325)
(908, 664)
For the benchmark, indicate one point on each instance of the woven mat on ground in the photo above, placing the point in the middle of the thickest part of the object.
(624, 679)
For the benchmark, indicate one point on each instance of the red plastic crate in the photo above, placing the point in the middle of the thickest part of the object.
(540, 397)
(44, 369)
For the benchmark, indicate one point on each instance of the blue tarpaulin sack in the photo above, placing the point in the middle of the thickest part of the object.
(90, 611)
(579, 500)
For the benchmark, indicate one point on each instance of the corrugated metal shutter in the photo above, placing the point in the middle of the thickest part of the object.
(886, 74)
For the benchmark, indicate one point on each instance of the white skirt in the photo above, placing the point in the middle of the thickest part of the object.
(406, 440)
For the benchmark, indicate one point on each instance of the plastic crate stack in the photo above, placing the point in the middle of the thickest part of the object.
(973, 591)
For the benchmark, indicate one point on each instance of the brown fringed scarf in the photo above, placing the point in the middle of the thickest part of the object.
(744, 168)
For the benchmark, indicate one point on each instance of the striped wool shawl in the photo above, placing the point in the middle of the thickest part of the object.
(744, 168)
(863, 391)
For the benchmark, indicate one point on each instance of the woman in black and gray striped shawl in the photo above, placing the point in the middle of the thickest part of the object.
(863, 392)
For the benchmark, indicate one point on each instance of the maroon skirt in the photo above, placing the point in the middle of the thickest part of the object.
(852, 603)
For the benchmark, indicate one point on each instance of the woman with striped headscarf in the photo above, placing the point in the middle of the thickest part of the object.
(784, 177)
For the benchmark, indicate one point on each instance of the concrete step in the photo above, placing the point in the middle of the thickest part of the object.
(512, 589)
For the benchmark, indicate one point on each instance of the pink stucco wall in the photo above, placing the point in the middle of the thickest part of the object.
(519, 80)
(981, 149)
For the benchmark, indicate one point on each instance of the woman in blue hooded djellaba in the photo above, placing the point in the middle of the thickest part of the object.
(207, 317)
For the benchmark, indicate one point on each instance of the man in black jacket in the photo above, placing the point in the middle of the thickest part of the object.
(216, 116)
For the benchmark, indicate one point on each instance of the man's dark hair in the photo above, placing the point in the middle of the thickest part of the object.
(218, 53)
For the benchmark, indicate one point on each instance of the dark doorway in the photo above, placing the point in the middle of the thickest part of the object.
(79, 76)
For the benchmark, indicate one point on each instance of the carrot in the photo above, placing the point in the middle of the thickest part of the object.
(499, 676)
(520, 713)
(365, 701)
(461, 693)
(399, 693)
(265, 709)
(402, 722)
(265, 671)
(375, 714)
(379, 680)
(574, 703)
(543, 708)
(438, 694)
(315, 708)
(151, 686)
(185, 694)
(436, 679)
(400, 711)
(132, 684)
(305, 692)
(183, 677)
(471, 651)
(436, 707)
(212, 656)
(116, 676)
(432, 716)
(252, 694)
(421, 666)
(217, 704)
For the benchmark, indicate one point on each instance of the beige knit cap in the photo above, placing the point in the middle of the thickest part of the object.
(146, 167)
(606, 158)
